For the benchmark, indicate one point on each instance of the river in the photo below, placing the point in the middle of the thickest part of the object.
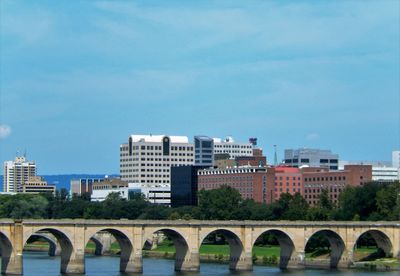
(40, 264)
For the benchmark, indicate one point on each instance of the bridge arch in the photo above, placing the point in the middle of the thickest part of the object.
(6, 249)
(180, 241)
(236, 248)
(63, 238)
(381, 238)
(54, 246)
(125, 244)
(287, 246)
(336, 243)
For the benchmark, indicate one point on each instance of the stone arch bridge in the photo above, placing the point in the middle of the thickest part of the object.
(188, 235)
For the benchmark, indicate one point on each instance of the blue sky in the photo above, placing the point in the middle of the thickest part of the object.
(78, 77)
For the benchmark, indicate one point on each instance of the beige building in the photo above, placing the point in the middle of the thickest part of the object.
(109, 184)
(37, 184)
(16, 173)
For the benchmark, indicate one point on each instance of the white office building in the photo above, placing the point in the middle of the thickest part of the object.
(234, 149)
(147, 159)
(17, 173)
(156, 195)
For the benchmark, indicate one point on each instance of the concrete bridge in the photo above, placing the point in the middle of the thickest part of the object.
(73, 235)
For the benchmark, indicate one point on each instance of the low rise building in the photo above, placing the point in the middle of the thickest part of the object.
(251, 182)
(37, 184)
(83, 185)
(156, 195)
(382, 171)
(315, 180)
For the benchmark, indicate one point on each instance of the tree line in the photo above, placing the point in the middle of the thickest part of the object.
(371, 202)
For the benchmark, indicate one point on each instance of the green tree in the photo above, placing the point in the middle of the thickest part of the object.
(387, 200)
(219, 203)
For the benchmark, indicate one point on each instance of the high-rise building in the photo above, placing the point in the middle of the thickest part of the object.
(204, 151)
(234, 149)
(147, 159)
(16, 173)
(312, 158)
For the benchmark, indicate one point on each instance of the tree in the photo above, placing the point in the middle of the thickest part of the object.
(387, 200)
(219, 203)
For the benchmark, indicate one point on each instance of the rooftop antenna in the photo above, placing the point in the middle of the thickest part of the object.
(275, 157)
(25, 153)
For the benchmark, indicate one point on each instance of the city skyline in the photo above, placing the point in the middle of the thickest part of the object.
(78, 78)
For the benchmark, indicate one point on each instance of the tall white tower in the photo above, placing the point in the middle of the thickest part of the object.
(16, 173)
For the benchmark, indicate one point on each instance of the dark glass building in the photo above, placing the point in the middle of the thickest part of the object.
(184, 183)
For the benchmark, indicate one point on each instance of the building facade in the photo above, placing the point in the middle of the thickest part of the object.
(315, 180)
(16, 173)
(312, 158)
(184, 185)
(286, 180)
(155, 195)
(83, 185)
(251, 182)
(204, 151)
(382, 171)
(37, 184)
(234, 149)
(147, 159)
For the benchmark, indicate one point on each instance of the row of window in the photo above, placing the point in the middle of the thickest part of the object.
(234, 146)
(330, 178)
(294, 190)
(287, 184)
(288, 178)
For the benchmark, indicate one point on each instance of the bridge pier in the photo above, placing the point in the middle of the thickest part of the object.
(244, 263)
(190, 263)
(74, 265)
(11, 265)
(11, 251)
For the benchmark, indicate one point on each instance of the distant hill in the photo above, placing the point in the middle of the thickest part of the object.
(63, 180)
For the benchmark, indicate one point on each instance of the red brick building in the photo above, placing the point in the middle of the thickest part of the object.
(287, 180)
(249, 181)
(318, 179)
(268, 184)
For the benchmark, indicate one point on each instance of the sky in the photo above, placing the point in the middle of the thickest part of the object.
(78, 77)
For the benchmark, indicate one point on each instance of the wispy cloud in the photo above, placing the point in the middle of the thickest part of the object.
(5, 131)
(312, 137)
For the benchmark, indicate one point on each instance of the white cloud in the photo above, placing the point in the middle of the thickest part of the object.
(5, 131)
(312, 136)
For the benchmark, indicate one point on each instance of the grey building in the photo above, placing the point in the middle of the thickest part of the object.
(204, 151)
(312, 158)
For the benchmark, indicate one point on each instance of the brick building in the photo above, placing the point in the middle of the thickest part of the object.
(318, 179)
(268, 184)
(251, 182)
(286, 180)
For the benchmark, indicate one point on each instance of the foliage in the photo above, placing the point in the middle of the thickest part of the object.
(373, 201)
